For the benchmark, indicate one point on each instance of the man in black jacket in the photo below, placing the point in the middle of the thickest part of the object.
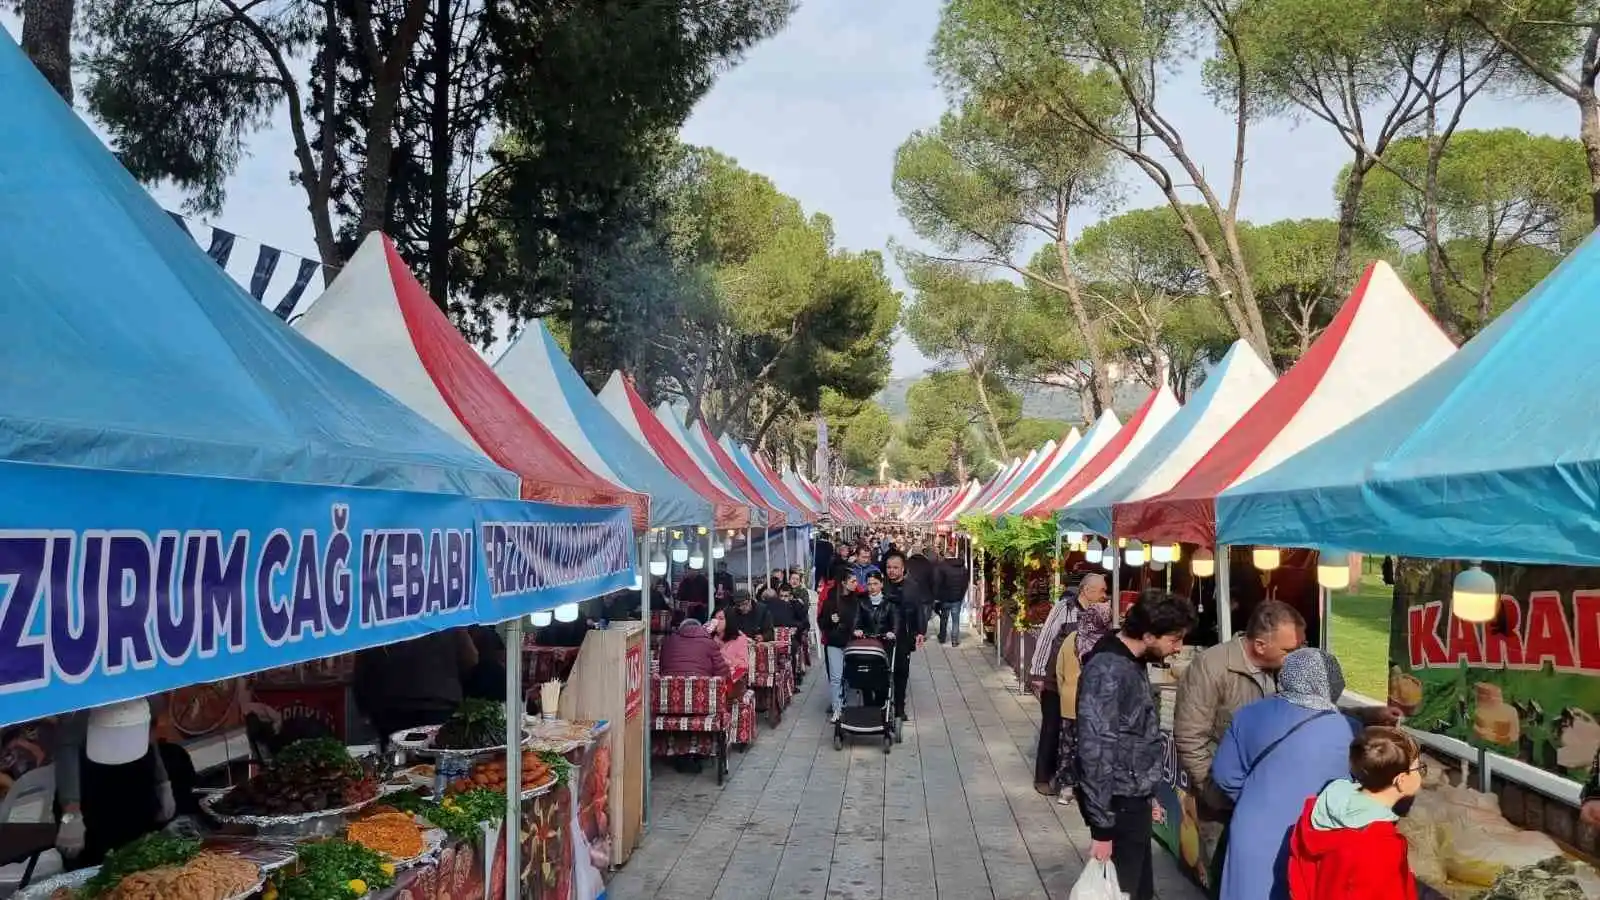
(747, 617)
(1120, 751)
(951, 584)
(908, 596)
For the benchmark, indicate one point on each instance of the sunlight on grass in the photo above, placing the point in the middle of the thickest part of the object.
(1360, 635)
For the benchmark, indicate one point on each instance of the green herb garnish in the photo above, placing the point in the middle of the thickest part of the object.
(326, 869)
(560, 765)
(462, 818)
(149, 852)
(476, 723)
(317, 753)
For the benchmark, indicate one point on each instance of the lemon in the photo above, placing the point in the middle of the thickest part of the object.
(359, 886)
(388, 869)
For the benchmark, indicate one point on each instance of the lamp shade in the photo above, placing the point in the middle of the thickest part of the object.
(697, 560)
(680, 552)
(1333, 569)
(1108, 560)
(1474, 597)
(541, 619)
(1161, 553)
(1074, 536)
(567, 612)
(119, 733)
(658, 563)
(1266, 558)
(717, 550)
(1134, 553)
(1203, 564)
(1093, 554)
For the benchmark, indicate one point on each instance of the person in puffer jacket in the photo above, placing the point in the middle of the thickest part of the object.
(1346, 846)
(691, 650)
(1120, 751)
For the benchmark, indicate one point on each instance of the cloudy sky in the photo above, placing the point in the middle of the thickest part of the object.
(821, 108)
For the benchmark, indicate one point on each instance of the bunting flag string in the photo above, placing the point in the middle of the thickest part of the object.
(268, 275)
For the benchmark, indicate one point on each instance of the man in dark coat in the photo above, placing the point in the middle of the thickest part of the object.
(910, 595)
(746, 617)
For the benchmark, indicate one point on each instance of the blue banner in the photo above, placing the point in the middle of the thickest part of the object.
(116, 585)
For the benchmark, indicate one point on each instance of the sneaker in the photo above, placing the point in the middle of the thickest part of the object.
(833, 717)
(1066, 798)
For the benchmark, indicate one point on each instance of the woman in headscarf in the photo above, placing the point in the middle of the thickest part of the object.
(1275, 754)
(1094, 623)
(1058, 626)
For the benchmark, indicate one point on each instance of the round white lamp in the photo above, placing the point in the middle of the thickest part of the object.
(1474, 597)
(680, 552)
(567, 612)
(1109, 560)
(717, 550)
(1203, 564)
(1161, 553)
(1267, 558)
(1074, 536)
(1094, 554)
(697, 559)
(658, 563)
(1134, 553)
(541, 619)
(1333, 569)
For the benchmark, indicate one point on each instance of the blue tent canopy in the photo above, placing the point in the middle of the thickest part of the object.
(1492, 455)
(540, 375)
(128, 348)
(741, 458)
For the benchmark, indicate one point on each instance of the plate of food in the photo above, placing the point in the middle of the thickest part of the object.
(156, 867)
(477, 727)
(538, 776)
(310, 779)
(398, 836)
(330, 869)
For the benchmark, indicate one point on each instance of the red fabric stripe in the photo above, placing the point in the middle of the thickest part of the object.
(730, 470)
(776, 481)
(1188, 512)
(1097, 465)
(487, 409)
(730, 513)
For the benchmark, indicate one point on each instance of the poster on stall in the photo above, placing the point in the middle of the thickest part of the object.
(117, 585)
(1180, 833)
(1523, 685)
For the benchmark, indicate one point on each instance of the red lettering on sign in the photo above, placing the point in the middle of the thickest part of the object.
(1503, 646)
(1548, 637)
(1586, 624)
(1464, 643)
(1423, 636)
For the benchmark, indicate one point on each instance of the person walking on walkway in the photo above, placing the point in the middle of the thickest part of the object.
(910, 595)
(836, 620)
(1094, 623)
(952, 581)
(1058, 628)
(1120, 751)
(1276, 754)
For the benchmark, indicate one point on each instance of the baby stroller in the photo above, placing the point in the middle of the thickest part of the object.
(867, 682)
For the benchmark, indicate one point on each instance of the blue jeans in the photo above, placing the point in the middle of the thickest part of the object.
(950, 621)
(836, 678)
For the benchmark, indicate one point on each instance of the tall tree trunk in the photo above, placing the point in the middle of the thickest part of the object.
(989, 414)
(1589, 134)
(47, 39)
(697, 388)
(1349, 208)
(441, 156)
(1100, 377)
(388, 69)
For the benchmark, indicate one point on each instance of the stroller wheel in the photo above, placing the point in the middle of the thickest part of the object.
(838, 741)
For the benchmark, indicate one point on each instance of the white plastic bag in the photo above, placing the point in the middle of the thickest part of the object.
(1098, 882)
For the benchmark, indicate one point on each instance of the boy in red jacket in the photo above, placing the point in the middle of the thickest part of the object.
(1345, 846)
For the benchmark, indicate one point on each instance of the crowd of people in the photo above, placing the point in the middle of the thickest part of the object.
(1295, 797)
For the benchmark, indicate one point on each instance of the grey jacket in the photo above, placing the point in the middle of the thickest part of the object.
(1119, 734)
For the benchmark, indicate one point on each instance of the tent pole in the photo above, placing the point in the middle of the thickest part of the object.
(642, 566)
(766, 555)
(749, 564)
(711, 576)
(514, 726)
(1116, 581)
(1221, 599)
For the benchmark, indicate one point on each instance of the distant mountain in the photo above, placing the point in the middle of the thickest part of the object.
(1038, 402)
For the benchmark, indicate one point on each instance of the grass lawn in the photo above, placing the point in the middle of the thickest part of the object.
(1359, 635)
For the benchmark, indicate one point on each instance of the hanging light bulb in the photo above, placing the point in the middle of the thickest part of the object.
(1074, 536)
(1156, 566)
(1473, 597)
(541, 619)
(1134, 554)
(1203, 564)
(697, 559)
(1122, 542)
(1333, 569)
(1267, 558)
(567, 612)
(1093, 555)
(680, 551)
(658, 562)
(1108, 561)
(700, 530)
(1177, 552)
(1161, 553)
(717, 550)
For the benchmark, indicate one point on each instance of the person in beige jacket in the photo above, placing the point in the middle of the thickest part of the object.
(1220, 681)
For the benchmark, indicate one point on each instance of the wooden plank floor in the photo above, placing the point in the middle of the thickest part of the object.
(951, 813)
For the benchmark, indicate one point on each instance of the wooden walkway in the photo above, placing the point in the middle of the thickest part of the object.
(951, 813)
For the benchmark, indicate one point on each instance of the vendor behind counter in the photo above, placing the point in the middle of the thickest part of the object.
(414, 683)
